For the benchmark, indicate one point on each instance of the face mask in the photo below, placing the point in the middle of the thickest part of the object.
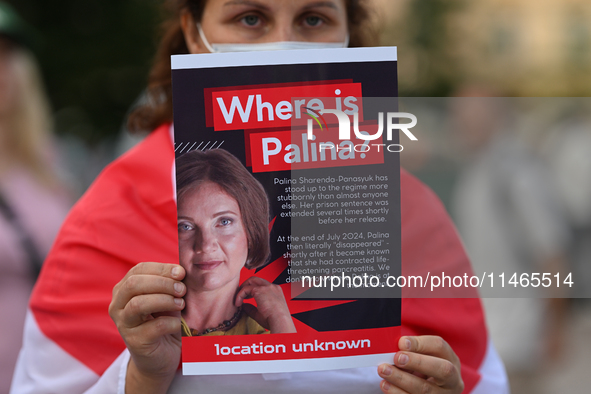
(268, 46)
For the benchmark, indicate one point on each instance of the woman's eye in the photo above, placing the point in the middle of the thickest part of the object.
(251, 20)
(313, 20)
(183, 227)
(225, 222)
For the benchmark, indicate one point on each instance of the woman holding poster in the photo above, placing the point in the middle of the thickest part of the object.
(127, 217)
(223, 217)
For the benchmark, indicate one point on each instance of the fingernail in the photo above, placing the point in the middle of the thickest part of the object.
(407, 344)
(179, 301)
(402, 359)
(386, 370)
(176, 271)
(178, 287)
(386, 386)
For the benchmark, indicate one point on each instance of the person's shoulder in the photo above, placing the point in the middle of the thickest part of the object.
(129, 210)
(418, 201)
(143, 173)
(153, 157)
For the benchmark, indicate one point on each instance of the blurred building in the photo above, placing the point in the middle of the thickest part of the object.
(522, 47)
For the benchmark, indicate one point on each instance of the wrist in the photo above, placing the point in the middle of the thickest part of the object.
(282, 325)
(137, 381)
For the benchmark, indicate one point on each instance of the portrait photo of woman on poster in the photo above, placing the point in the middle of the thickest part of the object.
(223, 218)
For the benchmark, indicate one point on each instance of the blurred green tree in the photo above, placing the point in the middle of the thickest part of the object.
(429, 34)
(95, 56)
(424, 37)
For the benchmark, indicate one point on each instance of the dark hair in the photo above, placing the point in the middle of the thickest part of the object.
(157, 108)
(225, 170)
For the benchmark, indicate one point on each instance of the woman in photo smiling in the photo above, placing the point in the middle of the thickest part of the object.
(223, 217)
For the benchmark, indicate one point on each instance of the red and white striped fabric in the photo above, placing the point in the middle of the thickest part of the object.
(129, 215)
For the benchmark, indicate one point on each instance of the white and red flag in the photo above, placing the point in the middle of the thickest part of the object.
(129, 215)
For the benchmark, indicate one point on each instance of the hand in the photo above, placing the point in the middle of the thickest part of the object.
(146, 308)
(425, 364)
(271, 311)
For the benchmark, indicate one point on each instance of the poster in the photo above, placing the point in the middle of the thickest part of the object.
(312, 133)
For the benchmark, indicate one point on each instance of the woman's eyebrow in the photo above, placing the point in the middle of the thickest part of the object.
(247, 3)
(224, 213)
(318, 4)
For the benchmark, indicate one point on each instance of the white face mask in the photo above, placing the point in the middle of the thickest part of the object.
(268, 46)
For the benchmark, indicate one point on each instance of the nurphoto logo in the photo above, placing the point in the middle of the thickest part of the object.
(345, 129)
